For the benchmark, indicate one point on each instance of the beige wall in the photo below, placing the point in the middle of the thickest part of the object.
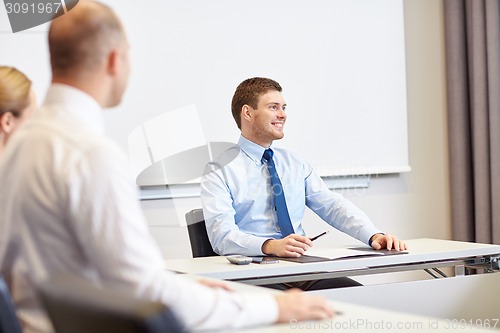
(417, 204)
(428, 130)
(411, 205)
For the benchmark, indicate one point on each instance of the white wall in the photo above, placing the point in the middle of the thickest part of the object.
(411, 205)
(351, 51)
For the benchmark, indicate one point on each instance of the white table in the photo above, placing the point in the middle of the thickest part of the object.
(359, 318)
(423, 253)
(459, 300)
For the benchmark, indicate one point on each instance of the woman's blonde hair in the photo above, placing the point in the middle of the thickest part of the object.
(15, 90)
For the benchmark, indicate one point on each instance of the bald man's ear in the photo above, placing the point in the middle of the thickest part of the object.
(114, 62)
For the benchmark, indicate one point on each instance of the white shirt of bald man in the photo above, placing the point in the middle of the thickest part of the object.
(70, 206)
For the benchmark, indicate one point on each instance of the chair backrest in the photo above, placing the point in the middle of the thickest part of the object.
(200, 244)
(75, 305)
(8, 318)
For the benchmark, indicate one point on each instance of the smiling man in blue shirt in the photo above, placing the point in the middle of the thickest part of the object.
(240, 200)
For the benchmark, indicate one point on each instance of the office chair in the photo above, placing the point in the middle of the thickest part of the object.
(200, 245)
(9, 323)
(75, 305)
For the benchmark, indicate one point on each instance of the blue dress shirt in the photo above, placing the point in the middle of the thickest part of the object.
(239, 206)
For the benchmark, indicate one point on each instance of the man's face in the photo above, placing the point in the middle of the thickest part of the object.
(123, 75)
(268, 120)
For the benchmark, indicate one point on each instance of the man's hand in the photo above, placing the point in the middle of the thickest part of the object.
(387, 241)
(295, 305)
(215, 284)
(291, 246)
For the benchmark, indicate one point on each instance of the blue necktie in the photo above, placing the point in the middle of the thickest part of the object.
(279, 196)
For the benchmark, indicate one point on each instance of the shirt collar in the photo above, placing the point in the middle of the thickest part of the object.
(76, 103)
(252, 150)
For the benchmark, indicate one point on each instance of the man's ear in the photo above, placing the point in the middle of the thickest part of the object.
(246, 112)
(7, 122)
(114, 62)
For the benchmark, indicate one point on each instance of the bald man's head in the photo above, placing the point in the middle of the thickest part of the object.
(81, 39)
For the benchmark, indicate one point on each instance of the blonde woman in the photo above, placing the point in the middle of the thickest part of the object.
(17, 102)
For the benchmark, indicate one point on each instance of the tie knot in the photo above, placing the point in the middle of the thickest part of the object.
(268, 154)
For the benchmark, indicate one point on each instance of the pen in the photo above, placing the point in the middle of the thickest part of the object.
(318, 236)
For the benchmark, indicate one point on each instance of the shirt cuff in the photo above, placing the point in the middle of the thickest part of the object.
(261, 309)
(261, 245)
(367, 232)
(254, 247)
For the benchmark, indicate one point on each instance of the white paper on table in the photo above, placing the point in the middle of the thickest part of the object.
(352, 252)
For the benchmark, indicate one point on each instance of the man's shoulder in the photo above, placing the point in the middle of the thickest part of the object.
(224, 163)
(68, 139)
(227, 156)
(288, 154)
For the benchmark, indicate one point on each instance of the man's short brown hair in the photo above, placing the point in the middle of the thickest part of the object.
(248, 92)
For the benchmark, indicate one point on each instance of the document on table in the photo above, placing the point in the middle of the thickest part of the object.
(350, 253)
(330, 254)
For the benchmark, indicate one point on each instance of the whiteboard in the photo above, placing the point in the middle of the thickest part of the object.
(341, 64)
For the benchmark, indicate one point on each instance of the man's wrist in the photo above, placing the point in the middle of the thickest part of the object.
(373, 236)
(267, 246)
